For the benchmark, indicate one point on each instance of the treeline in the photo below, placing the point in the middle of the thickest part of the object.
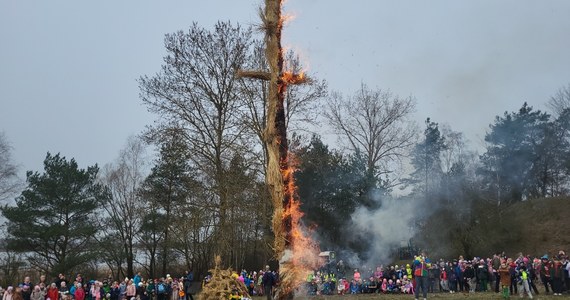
(202, 191)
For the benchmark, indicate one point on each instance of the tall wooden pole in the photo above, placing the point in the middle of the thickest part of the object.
(279, 172)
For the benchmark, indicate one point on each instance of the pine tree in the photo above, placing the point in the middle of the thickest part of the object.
(53, 216)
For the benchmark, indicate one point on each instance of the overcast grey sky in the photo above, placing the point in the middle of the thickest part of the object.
(68, 69)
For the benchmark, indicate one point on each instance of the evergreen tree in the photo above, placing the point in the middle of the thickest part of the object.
(426, 159)
(331, 187)
(167, 187)
(53, 216)
(512, 157)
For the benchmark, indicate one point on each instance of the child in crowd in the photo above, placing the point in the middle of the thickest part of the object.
(523, 282)
(505, 278)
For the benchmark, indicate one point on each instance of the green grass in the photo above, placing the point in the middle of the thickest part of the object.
(475, 296)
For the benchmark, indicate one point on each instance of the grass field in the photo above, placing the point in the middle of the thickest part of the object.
(475, 296)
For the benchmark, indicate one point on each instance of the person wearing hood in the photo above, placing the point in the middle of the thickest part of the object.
(505, 278)
(545, 273)
(79, 292)
(523, 281)
(8, 293)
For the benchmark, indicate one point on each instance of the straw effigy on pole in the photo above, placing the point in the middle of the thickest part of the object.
(279, 175)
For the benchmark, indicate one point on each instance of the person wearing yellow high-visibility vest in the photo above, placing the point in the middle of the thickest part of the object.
(523, 281)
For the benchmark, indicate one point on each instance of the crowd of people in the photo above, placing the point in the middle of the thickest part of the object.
(136, 288)
(500, 274)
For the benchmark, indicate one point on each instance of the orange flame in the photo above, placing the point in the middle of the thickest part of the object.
(303, 256)
(292, 78)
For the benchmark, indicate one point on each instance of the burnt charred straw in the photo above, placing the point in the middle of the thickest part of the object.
(279, 179)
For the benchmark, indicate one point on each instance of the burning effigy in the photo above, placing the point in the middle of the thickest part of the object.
(296, 252)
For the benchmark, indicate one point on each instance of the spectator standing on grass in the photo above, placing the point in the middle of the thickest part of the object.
(482, 274)
(421, 275)
(268, 282)
(531, 269)
(505, 278)
(557, 276)
(545, 273)
(188, 280)
(523, 282)
(469, 277)
(496, 264)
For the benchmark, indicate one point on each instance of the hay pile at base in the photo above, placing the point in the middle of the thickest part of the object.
(221, 284)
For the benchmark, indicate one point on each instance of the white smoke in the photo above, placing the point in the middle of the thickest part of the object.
(386, 228)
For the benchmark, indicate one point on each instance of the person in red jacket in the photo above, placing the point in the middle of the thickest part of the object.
(53, 292)
(79, 292)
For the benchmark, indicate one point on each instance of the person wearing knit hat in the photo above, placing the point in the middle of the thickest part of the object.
(421, 267)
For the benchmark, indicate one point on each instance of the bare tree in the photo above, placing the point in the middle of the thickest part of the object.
(376, 124)
(560, 101)
(9, 183)
(197, 95)
(123, 217)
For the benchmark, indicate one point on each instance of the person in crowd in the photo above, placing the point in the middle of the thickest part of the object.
(106, 289)
(53, 292)
(79, 292)
(523, 281)
(557, 276)
(496, 264)
(356, 276)
(43, 280)
(188, 283)
(27, 282)
(96, 291)
(63, 290)
(268, 282)
(469, 277)
(17, 294)
(8, 293)
(545, 273)
(513, 289)
(26, 292)
(115, 291)
(131, 290)
(432, 273)
(532, 277)
(482, 274)
(421, 267)
(505, 278)
(142, 291)
(137, 279)
(123, 289)
(72, 290)
(37, 293)
(60, 279)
